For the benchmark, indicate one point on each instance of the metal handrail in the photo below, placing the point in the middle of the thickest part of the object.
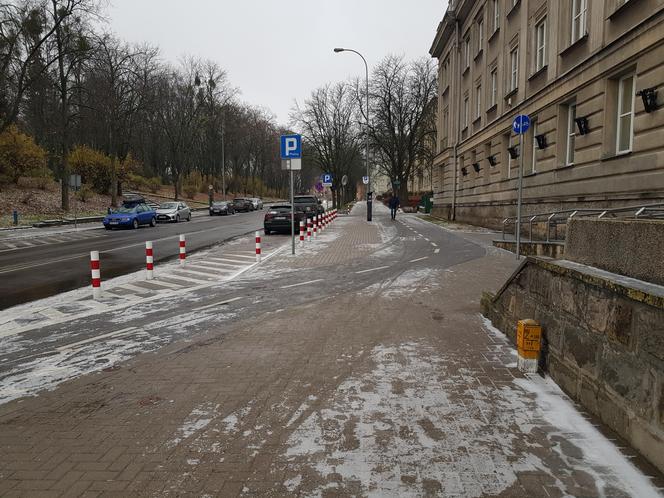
(561, 217)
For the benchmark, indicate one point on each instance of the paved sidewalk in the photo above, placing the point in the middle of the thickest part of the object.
(398, 390)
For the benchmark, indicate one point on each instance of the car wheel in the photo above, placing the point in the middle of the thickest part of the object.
(134, 224)
(153, 222)
(177, 218)
(189, 217)
(107, 227)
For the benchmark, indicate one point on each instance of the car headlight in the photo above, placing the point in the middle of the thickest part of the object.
(125, 219)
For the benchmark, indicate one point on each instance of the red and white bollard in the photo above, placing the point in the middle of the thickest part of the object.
(149, 261)
(258, 247)
(95, 270)
(302, 233)
(183, 250)
(315, 226)
(308, 229)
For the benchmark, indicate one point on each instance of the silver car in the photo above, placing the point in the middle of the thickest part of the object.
(257, 202)
(173, 211)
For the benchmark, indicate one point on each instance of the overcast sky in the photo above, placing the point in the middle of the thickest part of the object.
(278, 51)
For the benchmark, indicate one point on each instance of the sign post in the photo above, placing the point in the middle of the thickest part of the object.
(520, 126)
(75, 185)
(291, 156)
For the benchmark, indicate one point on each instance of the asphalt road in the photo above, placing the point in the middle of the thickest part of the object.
(421, 248)
(43, 264)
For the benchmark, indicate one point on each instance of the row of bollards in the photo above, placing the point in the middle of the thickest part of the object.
(314, 226)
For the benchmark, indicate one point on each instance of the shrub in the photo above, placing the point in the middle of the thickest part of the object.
(137, 182)
(190, 189)
(154, 184)
(19, 156)
(84, 194)
(94, 166)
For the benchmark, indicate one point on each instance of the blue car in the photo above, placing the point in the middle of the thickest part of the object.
(131, 216)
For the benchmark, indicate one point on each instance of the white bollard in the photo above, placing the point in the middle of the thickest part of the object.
(183, 250)
(149, 261)
(258, 247)
(95, 270)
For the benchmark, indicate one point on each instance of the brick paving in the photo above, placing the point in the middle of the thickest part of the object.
(390, 392)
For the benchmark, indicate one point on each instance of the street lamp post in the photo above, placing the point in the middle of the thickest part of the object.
(366, 153)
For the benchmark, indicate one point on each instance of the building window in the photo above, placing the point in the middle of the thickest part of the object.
(466, 112)
(494, 86)
(533, 166)
(478, 101)
(495, 8)
(514, 68)
(625, 129)
(579, 11)
(466, 52)
(480, 34)
(571, 134)
(510, 143)
(540, 45)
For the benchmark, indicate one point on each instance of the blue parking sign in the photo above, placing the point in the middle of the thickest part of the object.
(291, 146)
(327, 180)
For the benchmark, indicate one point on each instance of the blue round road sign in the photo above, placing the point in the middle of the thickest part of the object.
(521, 124)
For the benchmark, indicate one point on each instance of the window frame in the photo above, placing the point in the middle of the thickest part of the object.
(514, 69)
(466, 112)
(478, 103)
(466, 52)
(570, 140)
(493, 75)
(496, 15)
(620, 114)
(541, 48)
(533, 165)
(480, 34)
(582, 16)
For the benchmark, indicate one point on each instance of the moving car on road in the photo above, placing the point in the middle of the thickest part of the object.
(130, 216)
(221, 208)
(173, 211)
(277, 219)
(242, 204)
(257, 202)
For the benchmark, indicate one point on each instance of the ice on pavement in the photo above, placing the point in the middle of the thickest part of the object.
(412, 421)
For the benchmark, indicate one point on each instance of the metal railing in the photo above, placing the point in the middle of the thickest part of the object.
(555, 219)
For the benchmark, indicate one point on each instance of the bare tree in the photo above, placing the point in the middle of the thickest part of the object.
(400, 125)
(330, 128)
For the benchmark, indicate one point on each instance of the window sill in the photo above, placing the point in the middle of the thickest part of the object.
(528, 175)
(478, 120)
(465, 71)
(478, 54)
(493, 35)
(445, 89)
(618, 10)
(539, 72)
(564, 166)
(615, 155)
(572, 46)
(511, 93)
(514, 8)
(492, 108)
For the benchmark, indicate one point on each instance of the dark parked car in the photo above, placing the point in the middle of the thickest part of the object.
(310, 204)
(277, 219)
(131, 216)
(242, 204)
(221, 208)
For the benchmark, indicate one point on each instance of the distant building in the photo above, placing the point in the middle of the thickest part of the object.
(583, 71)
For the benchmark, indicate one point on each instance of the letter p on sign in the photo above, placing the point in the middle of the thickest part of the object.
(291, 146)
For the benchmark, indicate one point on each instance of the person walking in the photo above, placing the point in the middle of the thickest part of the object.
(394, 205)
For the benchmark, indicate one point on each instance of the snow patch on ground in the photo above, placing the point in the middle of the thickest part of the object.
(199, 418)
(423, 279)
(412, 425)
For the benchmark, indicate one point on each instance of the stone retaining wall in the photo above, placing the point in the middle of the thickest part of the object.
(604, 342)
(634, 248)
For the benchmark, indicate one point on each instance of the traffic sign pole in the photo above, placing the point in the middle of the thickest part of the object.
(292, 207)
(521, 125)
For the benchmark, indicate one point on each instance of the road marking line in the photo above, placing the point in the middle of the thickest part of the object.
(193, 273)
(436, 251)
(301, 283)
(426, 239)
(235, 255)
(202, 284)
(230, 262)
(94, 339)
(131, 287)
(418, 259)
(217, 266)
(217, 304)
(170, 285)
(434, 244)
(373, 269)
(52, 313)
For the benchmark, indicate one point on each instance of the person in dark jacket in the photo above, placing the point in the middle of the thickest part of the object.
(394, 205)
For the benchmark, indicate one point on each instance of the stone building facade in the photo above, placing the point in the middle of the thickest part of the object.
(589, 73)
